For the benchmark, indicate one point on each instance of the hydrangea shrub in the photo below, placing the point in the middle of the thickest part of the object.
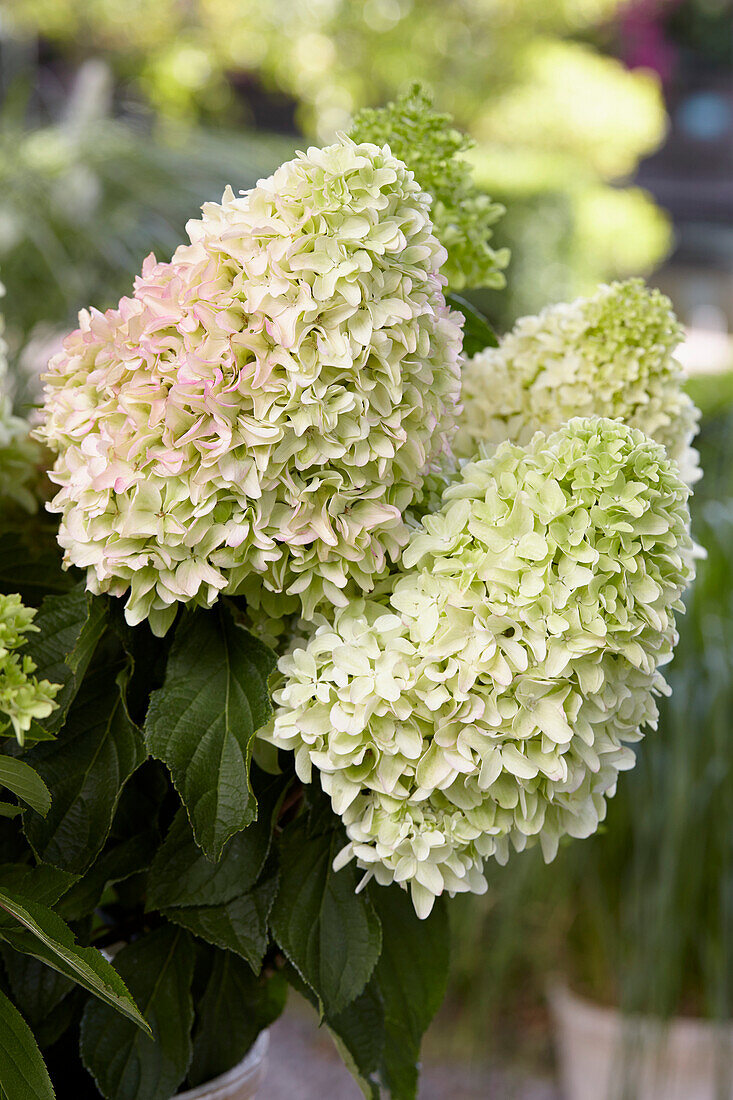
(320, 644)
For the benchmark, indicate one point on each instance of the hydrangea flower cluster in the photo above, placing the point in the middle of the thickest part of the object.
(18, 452)
(267, 403)
(462, 214)
(608, 355)
(488, 696)
(22, 696)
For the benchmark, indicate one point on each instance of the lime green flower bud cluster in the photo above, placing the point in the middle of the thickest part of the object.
(608, 355)
(22, 696)
(487, 697)
(461, 213)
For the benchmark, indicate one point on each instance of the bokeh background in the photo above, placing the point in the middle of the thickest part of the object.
(606, 130)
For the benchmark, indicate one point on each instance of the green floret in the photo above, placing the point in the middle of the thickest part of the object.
(611, 355)
(22, 696)
(462, 215)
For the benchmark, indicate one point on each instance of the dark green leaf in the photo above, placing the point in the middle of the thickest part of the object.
(37, 989)
(38, 931)
(25, 783)
(329, 932)
(118, 862)
(239, 925)
(201, 722)
(147, 656)
(411, 977)
(43, 884)
(66, 1014)
(22, 1070)
(358, 1032)
(182, 875)
(320, 818)
(142, 800)
(126, 1064)
(31, 565)
(379, 1033)
(86, 769)
(235, 1007)
(70, 627)
(477, 332)
(13, 844)
(32, 736)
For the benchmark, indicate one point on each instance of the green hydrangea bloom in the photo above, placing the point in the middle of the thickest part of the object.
(608, 355)
(462, 214)
(486, 698)
(22, 696)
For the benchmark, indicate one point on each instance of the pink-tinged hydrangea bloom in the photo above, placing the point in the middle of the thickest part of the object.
(486, 697)
(608, 355)
(266, 403)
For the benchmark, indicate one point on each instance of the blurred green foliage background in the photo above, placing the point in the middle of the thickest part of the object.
(195, 88)
(118, 119)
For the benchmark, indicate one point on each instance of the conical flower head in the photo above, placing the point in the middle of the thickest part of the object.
(267, 403)
(608, 355)
(463, 215)
(488, 697)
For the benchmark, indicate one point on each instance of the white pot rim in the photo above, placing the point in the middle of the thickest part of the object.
(562, 996)
(245, 1072)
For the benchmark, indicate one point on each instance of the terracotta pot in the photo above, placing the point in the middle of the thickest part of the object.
(605, 1055)
(240, 1083)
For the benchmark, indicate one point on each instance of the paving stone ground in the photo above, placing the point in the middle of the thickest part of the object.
(304, 1065)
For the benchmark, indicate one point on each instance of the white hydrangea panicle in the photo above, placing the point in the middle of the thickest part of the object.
(486, 698)
(608, 355)
(266, 404)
